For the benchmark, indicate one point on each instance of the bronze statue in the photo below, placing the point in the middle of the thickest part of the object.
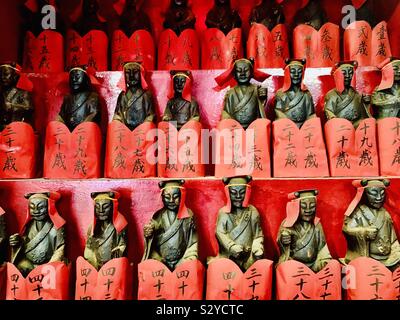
(344, 101)
(42, 239)
(368, 227)
(181, 107)
(245, 102)
(90, 18)
(133, 18)
(179, 17)
(135, 104)
(268, 13)
(170, 236)
(15, 100)
(386, 97)
(239, 232)
(82, 104)
(223, 17)
(301, 236)
(3, 239)
(312, 14)
(107, 238)
(294, 101)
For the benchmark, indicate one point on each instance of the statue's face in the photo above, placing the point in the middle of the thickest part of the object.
(103, 209)
(237, 195)
(376, 197)
(132, 77)
(77, 79)
(396, 70)
(180, 3)
(38, 209)
(296, 74)
(8, 77)
(243, 72)
(308, 209)
(348, 73)
(171, 198)
(179, 84)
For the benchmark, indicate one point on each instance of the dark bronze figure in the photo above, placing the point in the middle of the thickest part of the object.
(90, 19)
(135, 104)
(179, 17)
(170, 236)
(43, 239)
(245, 102)
(239, 231)
(301, 236)
(181, 107)
(312, 14)
(344, 101)
(107, 238)
(268, 13)
(133, 18)
(386, 97)
(82, 104)
(223, 17)
(294, 101)
(15, 102)
(368, 226)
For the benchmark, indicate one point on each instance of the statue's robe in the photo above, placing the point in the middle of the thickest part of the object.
(297, 106)
(386, 104)
(349, 106)
(101, 247)
(174, 240)
(224, 19)
(181, 111)
(244, 230)
(79, 108)
(39, 246)
(133, 109)
(308, 246)
(179, 19)
(385, 248)
(312, 14)
(3, 242)
(243, 105)
(16, 106)
(268, 15)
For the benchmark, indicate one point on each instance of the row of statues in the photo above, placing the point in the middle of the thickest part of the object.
(171, 235)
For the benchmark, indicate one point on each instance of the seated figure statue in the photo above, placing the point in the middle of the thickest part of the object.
(135, 104)
(301, 236)
(268, 13)
(312, 14)
(179, 17)
(107, 237)
(42, 239)
(171, 236)
(294, 101)
(344, 101)
(368, 226)
(239, 231)
(223, 17)
(82, 103)
(133, 18)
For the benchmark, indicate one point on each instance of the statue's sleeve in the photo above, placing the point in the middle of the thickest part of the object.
(118, 109)
(150, 113)
(191, 252)
(227, 111)
(122, 243)
(195, 113)
(258, 241)
(324, 255)
(329, 106)
(378, 98)
(310, 105)
(93, 109)
(63, 111)
(280, 104)
(222, 233)
(283, 249)
(167, 113)
(58, 254)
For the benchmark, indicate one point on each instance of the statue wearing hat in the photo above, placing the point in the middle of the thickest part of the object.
(239, 231)
(181, 107)
(135, 104)
(15, 99)
(244, 101)
(223, 17)
(386, 97)
(42, 238)
(82, 104)
(107, 236)
(301, 236)
(293, 100)
(368, 227)
(269, 13)
(344, 101)
(170, 236)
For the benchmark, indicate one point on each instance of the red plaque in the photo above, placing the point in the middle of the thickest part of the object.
(157, 282)
(299, 152)
(243, 152)
(130, 154)
(389, 146)
(352, 152)
(75, 155)
(111, 282)
(295, 281)
(139, 47)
